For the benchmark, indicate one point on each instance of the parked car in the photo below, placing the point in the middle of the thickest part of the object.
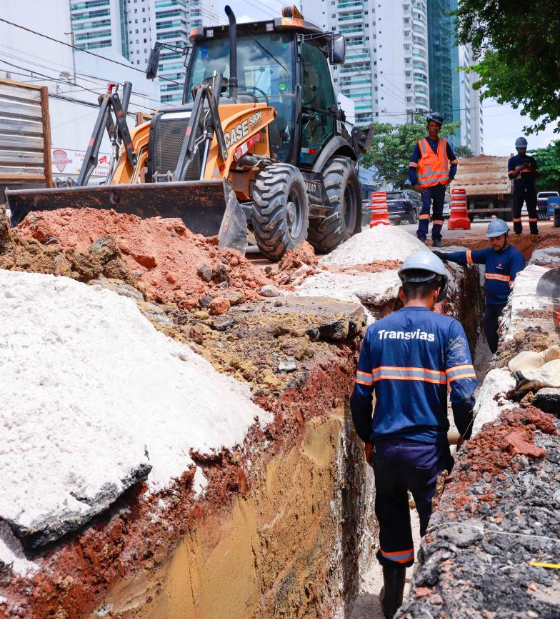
(542, 204)
(404, 206)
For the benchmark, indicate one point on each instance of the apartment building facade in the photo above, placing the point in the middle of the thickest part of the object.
(132, 27)
(401, 60)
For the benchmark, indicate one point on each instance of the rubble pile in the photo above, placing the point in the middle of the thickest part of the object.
(497, 516)
(101, 258)
(169, 263)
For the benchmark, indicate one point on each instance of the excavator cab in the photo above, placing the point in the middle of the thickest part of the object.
(259, 142)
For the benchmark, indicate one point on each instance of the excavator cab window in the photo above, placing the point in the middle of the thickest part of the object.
(265, 67)
(317, 101)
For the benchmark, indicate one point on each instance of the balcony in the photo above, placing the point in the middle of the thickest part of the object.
(93, 35)
(347, 6)
(92, 25)
(89, 5)
(352, 17)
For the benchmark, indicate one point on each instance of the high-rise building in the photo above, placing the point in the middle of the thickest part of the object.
(386, 68)
(470, 109)
(132, 27)
(99, 24)
(451, 90)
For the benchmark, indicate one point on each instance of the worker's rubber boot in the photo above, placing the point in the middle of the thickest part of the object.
(391, 596)
(436, 243)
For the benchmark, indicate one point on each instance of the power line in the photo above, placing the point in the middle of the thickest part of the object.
(83, 76)
(255, 6)
(79, 49)
(59, 96)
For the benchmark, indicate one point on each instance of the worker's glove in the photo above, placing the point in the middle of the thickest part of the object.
(441, 255)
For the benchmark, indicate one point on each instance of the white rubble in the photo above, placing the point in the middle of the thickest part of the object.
(13, 555)
(516, 318)
(370, 288)
(380, 243)
(546, 256)
(523, 299)
(92, 397)
(488, 405)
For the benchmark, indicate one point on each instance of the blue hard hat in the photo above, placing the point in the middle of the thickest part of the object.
(424, 267)
(496, 228)
(436, 117)
(521, 143)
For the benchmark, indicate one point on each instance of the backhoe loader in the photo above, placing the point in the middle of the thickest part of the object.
(258, 143)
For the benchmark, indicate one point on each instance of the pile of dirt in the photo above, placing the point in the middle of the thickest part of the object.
(101, 258)
(169, 262)
(295, 266)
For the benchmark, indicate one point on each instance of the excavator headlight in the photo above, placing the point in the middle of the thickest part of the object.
(209, 33)
(269, 26)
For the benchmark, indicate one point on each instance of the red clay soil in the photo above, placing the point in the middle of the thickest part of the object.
(172, 265)
(492, 451)
(138, 534)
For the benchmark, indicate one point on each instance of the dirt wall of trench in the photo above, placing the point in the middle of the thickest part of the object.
(291, 547)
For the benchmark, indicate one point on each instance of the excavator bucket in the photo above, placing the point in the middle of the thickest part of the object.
(206, 207)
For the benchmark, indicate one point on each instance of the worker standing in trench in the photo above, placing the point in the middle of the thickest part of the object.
(408, 360)
(432, 167)
(503, 262)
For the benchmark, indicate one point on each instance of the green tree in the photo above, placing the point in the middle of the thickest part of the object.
(516, 47)
(463, 151)
(392, 146)
(548, 160)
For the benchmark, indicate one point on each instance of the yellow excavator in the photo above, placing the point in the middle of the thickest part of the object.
(258, 143)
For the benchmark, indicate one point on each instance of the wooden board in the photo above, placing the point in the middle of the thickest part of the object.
(25, 146)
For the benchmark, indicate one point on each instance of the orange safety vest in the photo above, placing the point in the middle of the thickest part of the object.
(433, 168)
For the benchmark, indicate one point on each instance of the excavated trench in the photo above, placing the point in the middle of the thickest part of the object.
(283, 524)
(492, 547)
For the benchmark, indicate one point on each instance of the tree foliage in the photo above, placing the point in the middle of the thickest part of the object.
(392, 146)
(548, 160)
(463, 151)
(516, 48)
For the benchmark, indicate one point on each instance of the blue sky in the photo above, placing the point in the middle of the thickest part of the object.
(502, 124)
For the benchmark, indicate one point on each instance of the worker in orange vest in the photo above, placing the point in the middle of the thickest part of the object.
(432, 167)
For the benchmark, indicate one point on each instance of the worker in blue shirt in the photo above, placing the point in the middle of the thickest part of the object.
(503, 262)
(432, 167)
(409, 360)
(523, 170)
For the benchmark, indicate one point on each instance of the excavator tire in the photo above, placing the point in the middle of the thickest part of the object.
(343, 189)
(280, 212)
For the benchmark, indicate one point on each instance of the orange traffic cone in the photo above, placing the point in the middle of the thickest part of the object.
(458, 216)
(379, 213)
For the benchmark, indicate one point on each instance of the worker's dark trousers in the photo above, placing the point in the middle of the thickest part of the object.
(437, 195)
(492, 316)
(402, 465)
(530, 197)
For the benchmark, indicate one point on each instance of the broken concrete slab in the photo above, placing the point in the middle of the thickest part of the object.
(370, 289)
(52, 526)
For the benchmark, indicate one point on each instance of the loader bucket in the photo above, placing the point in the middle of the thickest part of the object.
(200, 204)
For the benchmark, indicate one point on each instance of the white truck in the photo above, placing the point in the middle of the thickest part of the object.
(489, 189)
